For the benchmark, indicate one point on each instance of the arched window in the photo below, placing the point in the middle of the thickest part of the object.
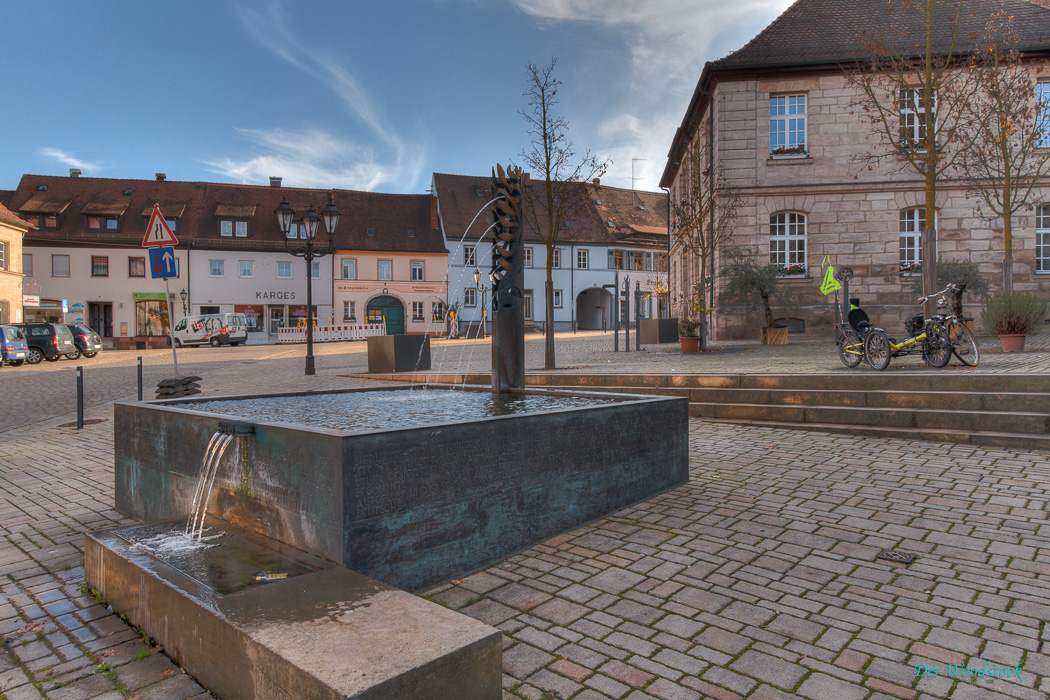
(913, 221)
(1042, 238)
(787, 242)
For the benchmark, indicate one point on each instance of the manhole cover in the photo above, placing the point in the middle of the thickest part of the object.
(87, 421)
(896, 555)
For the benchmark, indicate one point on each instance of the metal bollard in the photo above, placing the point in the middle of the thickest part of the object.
(140, 377)
(80, 398)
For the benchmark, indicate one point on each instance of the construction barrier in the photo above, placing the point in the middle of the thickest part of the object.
(327, 334)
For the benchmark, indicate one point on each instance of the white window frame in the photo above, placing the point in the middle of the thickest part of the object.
(286, 266)
(1042, 112)
(315, 270)
(388, 266)
(470, 297)
(3, 255)
(582, 259)
(527, 256)
(349, 266)
(470, 256)
(912, 222)
(417, 312)
(27, 264)
(557, 298)
(787, 126)
(787, 240)
(211, 268)
(417, 271)
(556, 263)
(240, 229)
(527, 304)
(350, 311)
(226, 228)
(911, 110)
(1042, 239)
(250, 269)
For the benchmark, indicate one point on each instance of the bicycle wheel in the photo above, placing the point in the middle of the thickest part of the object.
(851, 348)
(964, 345)
(936, 349)
(877, 350)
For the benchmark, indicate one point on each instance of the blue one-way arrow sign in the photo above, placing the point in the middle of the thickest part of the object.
(162, 263)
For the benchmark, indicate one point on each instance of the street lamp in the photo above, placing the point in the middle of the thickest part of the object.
(305, 250)
(480, 288)
(184, 296)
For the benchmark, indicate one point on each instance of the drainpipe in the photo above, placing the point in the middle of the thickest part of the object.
(711, 206)
(667, 191)
(572, 285)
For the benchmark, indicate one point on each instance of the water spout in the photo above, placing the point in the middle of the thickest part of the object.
(220, 441)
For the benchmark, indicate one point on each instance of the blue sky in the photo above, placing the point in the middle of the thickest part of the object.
(369, 95)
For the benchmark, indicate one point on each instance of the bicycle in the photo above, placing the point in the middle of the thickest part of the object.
(850, 336)
(964, 344)
(925, 335)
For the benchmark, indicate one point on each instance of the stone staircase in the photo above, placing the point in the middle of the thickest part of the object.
(989, 410)
(992, 410)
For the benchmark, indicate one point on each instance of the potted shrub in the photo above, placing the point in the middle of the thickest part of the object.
(689, 314)
(1012, 316)
(754, 286)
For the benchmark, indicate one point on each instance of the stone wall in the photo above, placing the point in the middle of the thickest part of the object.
(853, 212)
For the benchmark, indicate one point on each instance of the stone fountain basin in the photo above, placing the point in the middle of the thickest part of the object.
(415, 506)
(327, 632)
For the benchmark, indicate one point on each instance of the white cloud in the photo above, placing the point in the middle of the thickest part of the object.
(314, 158)
(69, 159)
(325, 159)
(669, 41)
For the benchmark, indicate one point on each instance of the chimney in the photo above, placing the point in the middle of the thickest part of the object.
(524, 178)
(74, 172)
(435, 220)
(597, 182)
(161, 177)
(275, 181)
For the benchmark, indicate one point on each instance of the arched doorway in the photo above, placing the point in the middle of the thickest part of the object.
(389, 309)
(594, 310)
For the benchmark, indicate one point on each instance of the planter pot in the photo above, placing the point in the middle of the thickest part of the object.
(1012, 342)
(690, 343)
(775, 335)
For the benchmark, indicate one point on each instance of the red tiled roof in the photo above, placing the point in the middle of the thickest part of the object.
(199, 205)
(461, 197)
(10, 217)
(826, 31)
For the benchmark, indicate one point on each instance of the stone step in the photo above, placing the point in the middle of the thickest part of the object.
(972, 421)
(978, 439)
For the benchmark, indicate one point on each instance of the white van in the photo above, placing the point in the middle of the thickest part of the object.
(212, 329)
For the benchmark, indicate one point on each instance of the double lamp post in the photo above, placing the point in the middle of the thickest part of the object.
(305, 249)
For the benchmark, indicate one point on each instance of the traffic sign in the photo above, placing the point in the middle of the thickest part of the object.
(163, 263)
(158, 233)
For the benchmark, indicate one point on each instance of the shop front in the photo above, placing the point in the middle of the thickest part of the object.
(405, 307)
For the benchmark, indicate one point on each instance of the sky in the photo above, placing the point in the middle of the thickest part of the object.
(358, 94)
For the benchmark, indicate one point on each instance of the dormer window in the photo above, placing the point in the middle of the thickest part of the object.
(411, 232)
(370, 232)
(231, 228)
(99, 222)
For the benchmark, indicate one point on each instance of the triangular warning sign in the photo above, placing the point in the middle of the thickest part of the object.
(830, 284)
(158, 233)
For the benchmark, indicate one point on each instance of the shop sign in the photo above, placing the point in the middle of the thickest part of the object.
(77, 308)
(148, 296)
(343, 287)
(30, 300)
(301, 311)
(275, 295)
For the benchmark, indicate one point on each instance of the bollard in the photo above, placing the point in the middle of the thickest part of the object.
(140, 377)
(80, 398)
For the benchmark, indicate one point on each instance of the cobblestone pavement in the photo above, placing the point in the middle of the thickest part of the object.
(757, 579)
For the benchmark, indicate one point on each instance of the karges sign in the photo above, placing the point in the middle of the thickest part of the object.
(275, 295)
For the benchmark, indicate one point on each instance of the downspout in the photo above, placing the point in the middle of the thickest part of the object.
(572, 286)
(711, 205)
(667, 191)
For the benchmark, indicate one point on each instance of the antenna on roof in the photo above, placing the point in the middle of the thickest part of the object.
(633, 178)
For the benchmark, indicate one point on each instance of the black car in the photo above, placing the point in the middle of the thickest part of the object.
(87, 341)
(48, 341)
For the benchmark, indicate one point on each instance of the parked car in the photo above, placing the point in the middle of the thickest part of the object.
(13, 346)
(88, 342)
(47, 341)
(211, 329)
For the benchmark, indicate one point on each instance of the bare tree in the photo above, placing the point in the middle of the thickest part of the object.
(1005, 132)
(559, 194)
(701, 222)
(912, 90)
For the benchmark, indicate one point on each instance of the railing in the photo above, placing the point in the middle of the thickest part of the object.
(327, 334)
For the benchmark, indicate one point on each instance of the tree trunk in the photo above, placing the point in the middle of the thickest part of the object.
(703, 314)
(1008, 255)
